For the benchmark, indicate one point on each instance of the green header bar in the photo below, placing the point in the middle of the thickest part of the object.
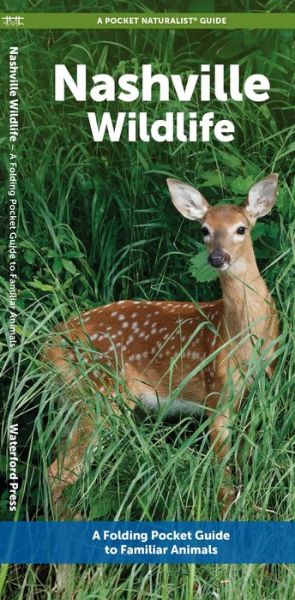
(170, 20)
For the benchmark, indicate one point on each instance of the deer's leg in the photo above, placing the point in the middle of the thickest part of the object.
(68, 465)
(81, 388)
(220, 409)
(220, 440)
(66, 468)
(220, 436)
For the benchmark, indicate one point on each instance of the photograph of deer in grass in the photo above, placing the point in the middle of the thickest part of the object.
(183, 355)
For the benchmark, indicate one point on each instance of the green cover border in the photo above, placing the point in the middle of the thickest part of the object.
(186, 20)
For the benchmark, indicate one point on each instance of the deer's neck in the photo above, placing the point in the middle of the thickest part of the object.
(248, 303)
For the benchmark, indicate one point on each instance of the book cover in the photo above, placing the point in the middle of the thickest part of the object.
(148, 300)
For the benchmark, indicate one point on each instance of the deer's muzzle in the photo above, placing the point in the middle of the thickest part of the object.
(218, 258)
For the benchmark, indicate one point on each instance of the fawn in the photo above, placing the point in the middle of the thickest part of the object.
(157, 346)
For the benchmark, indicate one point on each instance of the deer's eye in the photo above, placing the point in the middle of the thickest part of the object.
(205, 231)
(241, 230)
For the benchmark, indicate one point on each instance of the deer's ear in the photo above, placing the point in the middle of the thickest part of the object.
(261, 197)
(188, 201)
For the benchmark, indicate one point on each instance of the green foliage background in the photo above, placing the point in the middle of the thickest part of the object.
(96, 225)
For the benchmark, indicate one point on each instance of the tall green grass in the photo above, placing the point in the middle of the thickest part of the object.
(96, 225)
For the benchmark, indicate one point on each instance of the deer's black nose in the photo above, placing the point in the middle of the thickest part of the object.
(218, 258)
